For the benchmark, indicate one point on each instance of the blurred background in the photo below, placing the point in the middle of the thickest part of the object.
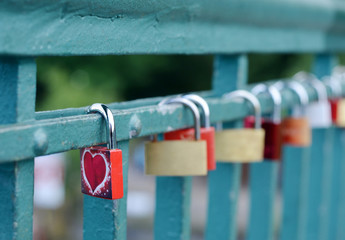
(65, 82)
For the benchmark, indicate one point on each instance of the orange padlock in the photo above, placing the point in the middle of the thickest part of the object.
(207, 132)
(101, 167)
(296, 129)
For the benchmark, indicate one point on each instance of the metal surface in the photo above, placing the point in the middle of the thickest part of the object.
(319, 86)
(39, 27)
(110, 122)
(17, 105)
(224, 182)
(299, 90)
(252, 99)
(192, 107)
(76, 129)
(203, 105)
(276, 98)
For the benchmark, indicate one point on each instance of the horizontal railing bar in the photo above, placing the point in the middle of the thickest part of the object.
(46, 136)
(117, 105)
(40, 28)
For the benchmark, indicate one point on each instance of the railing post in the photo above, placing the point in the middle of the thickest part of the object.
(106, 219)
(320, 167)
(263, 180)
(230, 73)
(17, 104)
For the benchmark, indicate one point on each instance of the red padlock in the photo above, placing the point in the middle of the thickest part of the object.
(101, 167)
(273, 141)
(334, 109)
(207, 132)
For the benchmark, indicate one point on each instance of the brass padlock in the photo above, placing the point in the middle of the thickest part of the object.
(178, 157)
(242, 145)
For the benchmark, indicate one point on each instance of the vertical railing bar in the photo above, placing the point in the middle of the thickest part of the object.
(107, 219)
(295, 164)
(323, 66)
(17, 104)
(172, 215)
(320, 138)
(339, 218)
(336, 185)
(172, 210)
(230, 73)
(263, 181)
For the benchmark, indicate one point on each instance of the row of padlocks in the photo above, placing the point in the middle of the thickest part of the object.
(194, 151)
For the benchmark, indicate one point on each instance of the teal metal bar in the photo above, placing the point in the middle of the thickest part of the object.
(230, 73)
(172, 215)
(17, 104)
(318, 168)
(294, 192)
(337, 206)
(263, 180)
(73, 128)
(340, 216)
(105, 219)
(321, 165)
(203, 27)
(223, 193)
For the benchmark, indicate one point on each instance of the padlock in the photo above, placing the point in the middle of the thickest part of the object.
(207, 132)
(101, 167)
(241, 145)
(178, 157)
(335, 86)
(296, 130)
(318, 113)
(272, 126)
(341, 113)
(334, 109)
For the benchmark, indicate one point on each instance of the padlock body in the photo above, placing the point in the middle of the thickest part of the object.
(334, 109)
(296, 131)
(273, 141)
(207, 134)
(319, 114)
(176, 158)
(101, 172)
(240, 145)
(341, 113)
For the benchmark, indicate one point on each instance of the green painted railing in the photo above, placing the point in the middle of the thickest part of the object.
(313, 182)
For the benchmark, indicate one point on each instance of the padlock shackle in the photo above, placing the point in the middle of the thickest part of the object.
(335, 85)
(252, 99)
(298, 89)
(110, 122)
(203, 105)
(276, 98)
(315, 83)
(191, 106)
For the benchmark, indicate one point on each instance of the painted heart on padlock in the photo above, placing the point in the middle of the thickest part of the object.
(95, 170)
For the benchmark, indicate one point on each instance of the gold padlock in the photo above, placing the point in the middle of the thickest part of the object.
(178, 157)
(242, 145)
(340, 119)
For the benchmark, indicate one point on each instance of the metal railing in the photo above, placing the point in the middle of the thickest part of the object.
(312, 178)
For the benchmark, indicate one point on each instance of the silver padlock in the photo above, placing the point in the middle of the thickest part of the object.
(318, 113)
